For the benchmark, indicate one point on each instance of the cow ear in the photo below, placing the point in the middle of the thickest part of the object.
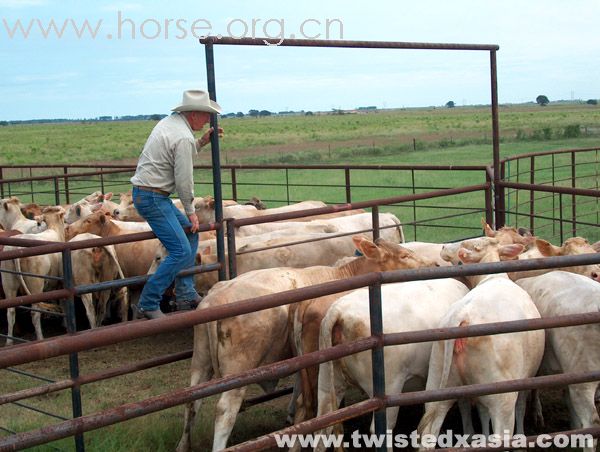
(489, 232)
(366, 247)
(596, 247)
(466, 256)
(108, 196)
(547, 249)
(509, 252)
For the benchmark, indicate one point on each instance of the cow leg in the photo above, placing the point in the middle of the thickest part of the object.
(103, 299)
(484, 419)
(520, 412)
(36, 318)
(123, 300)
(10, 317)
(432, 420)
(332, 387)
(464, 405)
(583, 409)
(88, 302)
(227, 410)
(201, 371)
(502, 412)
(536, 407)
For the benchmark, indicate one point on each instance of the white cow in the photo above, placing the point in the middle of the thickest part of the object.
(205, 209)
(353, 223)
(88, 205)
(248, 341)
(486, 359)
(409, 306)
(571, 349)
(11, 218)
(92, 266)
(47, 264)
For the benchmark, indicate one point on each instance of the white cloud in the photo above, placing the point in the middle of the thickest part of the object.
(16, 4)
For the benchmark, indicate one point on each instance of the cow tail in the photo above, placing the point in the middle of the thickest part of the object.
(17, 262)
(326, 370)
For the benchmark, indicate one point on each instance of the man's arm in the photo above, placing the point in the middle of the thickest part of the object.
(184, 174)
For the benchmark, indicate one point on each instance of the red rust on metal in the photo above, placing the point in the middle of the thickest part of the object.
(334, 417)
(36, 298)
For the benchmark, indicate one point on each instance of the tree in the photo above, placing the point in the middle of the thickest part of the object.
(542, 100)
(239, 114)
(450, 104)
(592, 102)
(3, 123)
(265, 113)
(253, 113)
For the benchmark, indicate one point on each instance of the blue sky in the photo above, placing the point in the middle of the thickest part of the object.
(547, 47)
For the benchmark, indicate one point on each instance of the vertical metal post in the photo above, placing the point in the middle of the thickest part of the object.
(553, 197)
(498, 191)
(56, 191)
(102, 180)
(216, 158)
(31, 184)
(1, 182)
(375, 220)
(69, 307)
(560, 213)
(66, 182)
(531, 194)
(573, 197)
(287, 185)
(234, 194)
(414, 204)
(231, 248)
(348, 190)
(378, 366)
(489, 212)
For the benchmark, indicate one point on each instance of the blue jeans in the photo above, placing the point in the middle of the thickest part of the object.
(167, 223)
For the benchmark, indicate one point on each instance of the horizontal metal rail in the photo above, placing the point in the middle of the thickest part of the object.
(60, 385)
(20, 354)
(345, 43)
(418, 397)
(552, 189)
(545, 153)
(356, 205)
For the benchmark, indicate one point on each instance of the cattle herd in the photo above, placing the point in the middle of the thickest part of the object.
(325, 250)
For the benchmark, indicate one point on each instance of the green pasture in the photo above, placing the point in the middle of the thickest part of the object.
(459, 136)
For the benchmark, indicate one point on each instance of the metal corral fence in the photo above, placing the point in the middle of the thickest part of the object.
(423, 218)
(72, 344)
(555, 194)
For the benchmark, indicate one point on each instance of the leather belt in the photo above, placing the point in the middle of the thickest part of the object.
(155, 190)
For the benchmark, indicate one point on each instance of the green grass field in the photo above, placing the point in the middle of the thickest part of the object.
(459, 136)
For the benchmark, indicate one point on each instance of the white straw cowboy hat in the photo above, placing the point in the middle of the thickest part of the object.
(196, 100)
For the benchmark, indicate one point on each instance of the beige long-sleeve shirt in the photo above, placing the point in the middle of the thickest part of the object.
(166, 161)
